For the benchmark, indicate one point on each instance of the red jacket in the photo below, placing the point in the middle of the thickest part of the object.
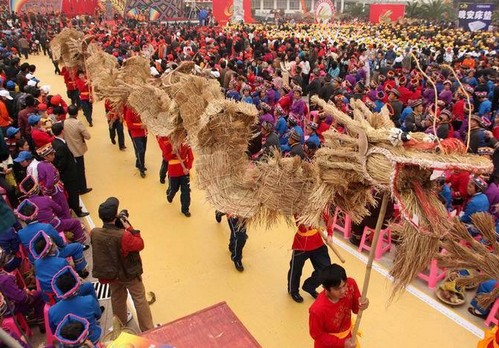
(40, 137)
(405, 94)
(323, 126)
(307, 239)
(22, 120)
(459, 184)
(174, 167)
(285, 102)
(70, 77)
(134, 123)
(83, 88)
(458, 110)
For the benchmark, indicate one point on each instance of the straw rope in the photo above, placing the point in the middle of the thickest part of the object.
(468, 101)
(436, 95)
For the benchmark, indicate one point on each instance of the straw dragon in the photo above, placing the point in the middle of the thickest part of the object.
(344, 173)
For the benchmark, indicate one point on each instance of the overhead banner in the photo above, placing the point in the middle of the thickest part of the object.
(475, 17)
(324, 11)
(224, 9)
(153, 10)
(79, 7)
(35, 6)
(117, 6)
(385, 13)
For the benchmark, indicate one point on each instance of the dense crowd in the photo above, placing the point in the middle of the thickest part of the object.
(275, 68)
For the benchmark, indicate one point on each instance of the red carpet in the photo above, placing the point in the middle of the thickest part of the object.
(213, 327)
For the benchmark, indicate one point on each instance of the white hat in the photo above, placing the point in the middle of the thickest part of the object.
(29, 76)
(32, 83)
(437, 174)
(4, 93)
(154, 71)
(45, 89)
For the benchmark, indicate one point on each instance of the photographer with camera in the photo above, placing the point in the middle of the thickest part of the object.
(115, 251)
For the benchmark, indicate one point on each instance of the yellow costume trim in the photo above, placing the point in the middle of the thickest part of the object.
(344, 334)
(174, 161)
(308, 233)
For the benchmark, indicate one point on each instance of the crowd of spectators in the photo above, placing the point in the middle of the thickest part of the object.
(275, 68)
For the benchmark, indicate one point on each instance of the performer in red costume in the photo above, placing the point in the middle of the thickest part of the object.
(491, 339)
(330, 320)
(307, 244)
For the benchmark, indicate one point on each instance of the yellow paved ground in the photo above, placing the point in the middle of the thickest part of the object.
(187, 263)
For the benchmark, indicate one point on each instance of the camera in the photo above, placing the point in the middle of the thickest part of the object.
(122, 218)
(122, 221)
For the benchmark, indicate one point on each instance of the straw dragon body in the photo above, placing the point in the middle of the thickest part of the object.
(344, 172)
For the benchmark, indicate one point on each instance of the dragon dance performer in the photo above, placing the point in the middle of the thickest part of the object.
(491, 339)
(330, 316)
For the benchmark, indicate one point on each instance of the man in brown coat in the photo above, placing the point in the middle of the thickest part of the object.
(116, 254)
(24, 47)
(75, 135)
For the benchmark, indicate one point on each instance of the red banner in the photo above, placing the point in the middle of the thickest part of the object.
(386, 12)
(79, 7)
(223, 10)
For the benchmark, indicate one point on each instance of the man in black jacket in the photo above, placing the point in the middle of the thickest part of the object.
(327, 90)
(480, 137)
(66, 164)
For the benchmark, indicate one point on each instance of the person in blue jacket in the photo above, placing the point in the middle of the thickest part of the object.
(28, 211)
(445, 193)
(312, 135)
(293, 127)
(281, 126)
(67, 287)
(485, 107)
(47, 263)
(478, 201)
(73, 332)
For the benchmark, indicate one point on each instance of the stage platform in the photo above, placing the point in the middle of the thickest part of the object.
(213, 327)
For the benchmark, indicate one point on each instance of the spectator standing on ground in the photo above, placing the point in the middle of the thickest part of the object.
(75, 135)
(65, 163)
(115, 251)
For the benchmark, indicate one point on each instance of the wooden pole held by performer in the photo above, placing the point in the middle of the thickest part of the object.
(372, 252)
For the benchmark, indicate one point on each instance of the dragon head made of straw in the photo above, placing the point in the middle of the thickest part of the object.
(371, 156)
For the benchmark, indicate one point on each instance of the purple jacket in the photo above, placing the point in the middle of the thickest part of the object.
(445, 96)
(492, 194)
(48, 178)
(428, 96)
(297, 107)
(47, 208)
(10, 290)
(267, 117)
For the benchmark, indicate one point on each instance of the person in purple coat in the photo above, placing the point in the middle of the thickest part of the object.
(298, 104)
(27, 211)
(49, 179)
(50, 212)
(446, 94)
(22, 300)
(492, 192)
(428, 95)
